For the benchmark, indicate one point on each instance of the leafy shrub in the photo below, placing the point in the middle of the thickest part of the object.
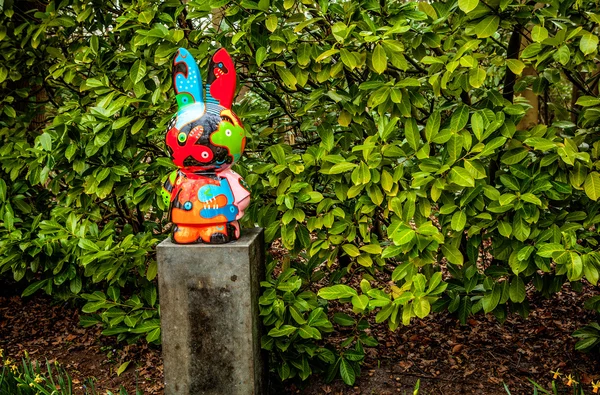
(298, 320)
(80, 126)
(447, 150)
(399, 140)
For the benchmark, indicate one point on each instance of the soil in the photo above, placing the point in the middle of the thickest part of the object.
(49, 331)
(446, 357)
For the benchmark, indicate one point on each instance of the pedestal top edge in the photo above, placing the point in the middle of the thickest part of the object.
(249, 236)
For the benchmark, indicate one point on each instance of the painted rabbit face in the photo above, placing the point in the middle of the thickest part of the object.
(204, 134)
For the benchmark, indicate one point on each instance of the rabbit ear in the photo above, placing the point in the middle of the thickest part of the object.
(220, 85)
(187, 80)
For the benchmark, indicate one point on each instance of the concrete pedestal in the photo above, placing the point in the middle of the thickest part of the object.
(209, 316)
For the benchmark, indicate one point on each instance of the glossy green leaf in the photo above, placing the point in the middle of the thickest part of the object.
(462, 177)
(517, 290)
(467, 5)
(261, 55)
(347, 372)
(592, 185)
(588, 43)
(379, 59)
(515, 65)
(338, 291)
(452, 254)
(539, 33)
(122, 368)
(138, 71)
(459, 220)
(271, 22)
(487, 27)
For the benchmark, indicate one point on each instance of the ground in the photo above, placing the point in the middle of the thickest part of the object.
(446, 357)
(49, 331)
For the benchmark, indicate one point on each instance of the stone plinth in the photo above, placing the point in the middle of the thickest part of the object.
(209, 316)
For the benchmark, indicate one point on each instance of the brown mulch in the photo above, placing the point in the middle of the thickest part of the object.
(447, 358)
(48, 331)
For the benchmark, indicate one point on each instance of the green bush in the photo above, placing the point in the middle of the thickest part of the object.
(298, 320)
(394, 140)
(388, 144)
(79, 208)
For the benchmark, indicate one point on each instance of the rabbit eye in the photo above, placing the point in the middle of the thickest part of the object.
(228, 132)
(181, 137)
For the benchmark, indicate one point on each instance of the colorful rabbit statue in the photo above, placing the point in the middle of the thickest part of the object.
(205, 138)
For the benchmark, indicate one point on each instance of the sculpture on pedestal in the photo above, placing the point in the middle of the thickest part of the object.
(205, 138)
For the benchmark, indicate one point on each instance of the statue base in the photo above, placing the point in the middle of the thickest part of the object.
(210, 318)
